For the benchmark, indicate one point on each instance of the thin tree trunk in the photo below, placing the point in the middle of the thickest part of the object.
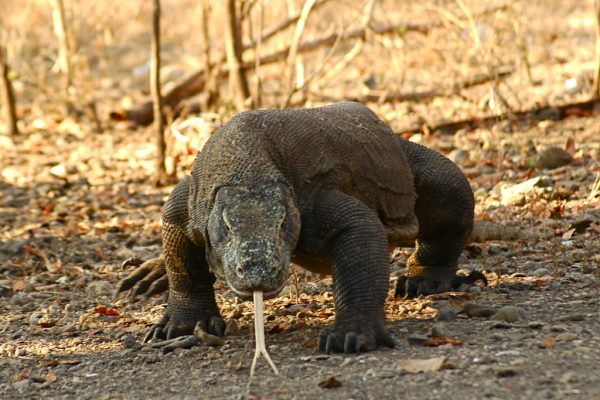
(63, 60)
(596, 88)
(7, 96)
(161, 172)
(238, 83)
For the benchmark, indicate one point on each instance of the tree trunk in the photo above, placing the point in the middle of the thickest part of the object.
(8, 97)
(238, 83)
(161, 172)
(596, 88)
(63, 60)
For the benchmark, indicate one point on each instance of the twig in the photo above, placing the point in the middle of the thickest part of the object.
(161, 171)
(257, 48)
(238, 83)
(596, 87)
(8, 97)
(484, 56)
(293, 50)
(63, 60)
(357, 48)
(280, 27)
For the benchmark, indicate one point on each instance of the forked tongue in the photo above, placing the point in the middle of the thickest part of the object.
(259, 333)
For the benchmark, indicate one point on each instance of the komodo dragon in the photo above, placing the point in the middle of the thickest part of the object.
(331, 189)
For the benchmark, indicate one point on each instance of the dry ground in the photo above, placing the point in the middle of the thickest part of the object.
(75, 203)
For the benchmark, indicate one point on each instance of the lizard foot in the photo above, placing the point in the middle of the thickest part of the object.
(183, 314)
(413, 286)
(355, 337)
(149, 278)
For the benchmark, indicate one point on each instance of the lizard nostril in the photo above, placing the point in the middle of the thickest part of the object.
(239, 270)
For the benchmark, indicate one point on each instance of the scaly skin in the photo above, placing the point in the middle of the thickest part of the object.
(332, 184)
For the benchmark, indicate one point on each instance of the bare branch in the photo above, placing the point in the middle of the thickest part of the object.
(7, 96)
(293, 50)
(161, 172)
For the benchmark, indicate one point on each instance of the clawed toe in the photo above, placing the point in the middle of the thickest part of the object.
(411, 287)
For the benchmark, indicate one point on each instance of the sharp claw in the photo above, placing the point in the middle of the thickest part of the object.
(329, 344)
(159, 286)
(215, 327)
(360, 343)
(349, 342)
(401, 286)
(171, 332)
(133, 261)
(322, 342)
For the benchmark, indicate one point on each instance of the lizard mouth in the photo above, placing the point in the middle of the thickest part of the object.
(248, 294)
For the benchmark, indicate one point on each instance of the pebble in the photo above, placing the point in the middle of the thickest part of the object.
(417, 339)
(565, 337)
(505, 372)
(553, 157)
(541, 272)
(446, 314)
(440, 329)
(478, 310)
(508, 314)
(22, 384)
(6, 291)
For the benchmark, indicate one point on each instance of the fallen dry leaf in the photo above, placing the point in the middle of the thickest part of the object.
(330, 383)
(442, 340)
(549, 342)
(19, 285)
(106, 311)
(427, 365)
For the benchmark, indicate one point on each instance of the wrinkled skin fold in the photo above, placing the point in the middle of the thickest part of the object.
(331, 188)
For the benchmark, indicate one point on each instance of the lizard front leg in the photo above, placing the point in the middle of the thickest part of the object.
(344, 231)
(191, 296)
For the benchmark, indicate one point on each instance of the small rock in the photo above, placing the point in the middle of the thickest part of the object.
(129, 342)
(474, 289)
(459, 156)
(565, 337)
(439, 330)
(446, 314)
(553, 157)
(208, 339)
(417, 339)
(20, 352)
(541, 272)
(516, 194)
(232, 328)
(505, 372)
(508, 314)
(478, 310)
(22, 384)
(100, 288)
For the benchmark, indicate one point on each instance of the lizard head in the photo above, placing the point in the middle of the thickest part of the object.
(251, 236)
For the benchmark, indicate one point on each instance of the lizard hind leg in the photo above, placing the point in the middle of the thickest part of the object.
(431, 269)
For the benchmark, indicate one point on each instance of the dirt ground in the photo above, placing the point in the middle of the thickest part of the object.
(75, 203)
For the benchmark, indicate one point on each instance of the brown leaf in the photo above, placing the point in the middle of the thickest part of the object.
(442, 340)
(549, 342)
(310, 344)
(31, 251)
(428, 365)
(235, 366)
(570, 146)
(330, 383)
(567, 235)
(100, 252)
(106, 311)
(19, 285)
(595, 226)
(278, 328)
